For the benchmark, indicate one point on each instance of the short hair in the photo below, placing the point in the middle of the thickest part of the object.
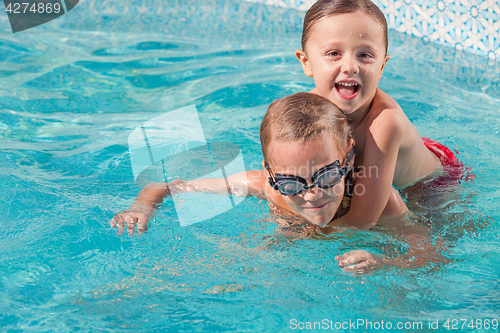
(301, 116)
(324, 8)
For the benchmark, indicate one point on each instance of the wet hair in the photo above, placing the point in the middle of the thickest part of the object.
(302, 116)
(324, 8)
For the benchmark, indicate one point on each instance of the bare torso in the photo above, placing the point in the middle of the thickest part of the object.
(413, 160)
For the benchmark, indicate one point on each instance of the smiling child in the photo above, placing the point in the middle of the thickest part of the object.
(344, 48)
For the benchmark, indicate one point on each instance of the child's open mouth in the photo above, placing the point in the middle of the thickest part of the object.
(347, 90)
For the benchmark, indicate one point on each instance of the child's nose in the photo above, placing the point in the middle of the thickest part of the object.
(312, 193)
(349, 66)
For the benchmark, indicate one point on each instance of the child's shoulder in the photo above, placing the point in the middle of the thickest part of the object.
(384, 105)
(386, 115)
(384, 126)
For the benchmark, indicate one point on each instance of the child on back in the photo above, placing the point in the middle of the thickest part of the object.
(308, 153)
(344, 48)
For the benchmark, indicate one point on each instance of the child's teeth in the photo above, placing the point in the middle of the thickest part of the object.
(347, 88)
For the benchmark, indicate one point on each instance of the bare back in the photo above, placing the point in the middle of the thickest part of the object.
(381, 124)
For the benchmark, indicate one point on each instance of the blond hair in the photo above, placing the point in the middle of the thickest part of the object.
(301, 116)
(324, 8)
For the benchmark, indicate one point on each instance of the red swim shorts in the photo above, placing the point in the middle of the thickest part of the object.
(454, 168)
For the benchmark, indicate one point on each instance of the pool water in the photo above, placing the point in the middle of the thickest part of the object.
(74, 89)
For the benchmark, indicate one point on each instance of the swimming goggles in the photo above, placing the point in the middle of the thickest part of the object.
(325, 177)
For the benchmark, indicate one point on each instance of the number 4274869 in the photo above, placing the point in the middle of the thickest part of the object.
(35, 8)
(455, 324)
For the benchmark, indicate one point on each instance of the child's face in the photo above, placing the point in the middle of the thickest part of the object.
(317, 205)
(345, 54)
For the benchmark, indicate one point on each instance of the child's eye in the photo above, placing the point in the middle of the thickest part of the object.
(366, 55)
(333, 54)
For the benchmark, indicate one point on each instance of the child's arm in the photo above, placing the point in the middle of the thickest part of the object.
(243, 183)
(418, 256)
(421, 251)
(373, 190)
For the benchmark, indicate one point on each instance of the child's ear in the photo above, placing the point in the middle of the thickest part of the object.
(263, 165)
(351, 143)
(387, 57)
(302, 56)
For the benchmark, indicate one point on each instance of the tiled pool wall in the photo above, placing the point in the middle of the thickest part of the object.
(469, 25)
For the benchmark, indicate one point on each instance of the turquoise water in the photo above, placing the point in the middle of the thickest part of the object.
(73, 90)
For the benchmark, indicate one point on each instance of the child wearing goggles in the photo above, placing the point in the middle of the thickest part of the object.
(308, 156)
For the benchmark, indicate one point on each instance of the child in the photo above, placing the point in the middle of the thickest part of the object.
(308, 151)
(344, 48)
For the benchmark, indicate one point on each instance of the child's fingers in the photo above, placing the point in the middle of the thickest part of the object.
(348, 258)
(348, 261)
(112, 222)
(358, 267)
(353, 257)
(120, 227)
(130, 221)
(358, 261)
(117, 222)
(142, 226)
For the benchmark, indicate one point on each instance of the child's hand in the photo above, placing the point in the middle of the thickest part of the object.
(131, 217)
(359, 261)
